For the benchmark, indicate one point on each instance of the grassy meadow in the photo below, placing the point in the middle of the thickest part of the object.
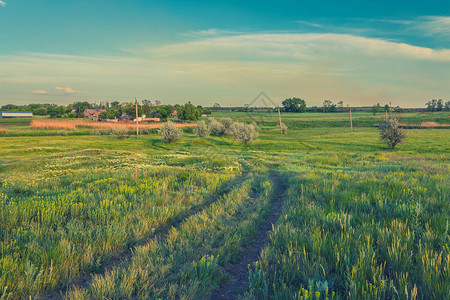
(87, 216)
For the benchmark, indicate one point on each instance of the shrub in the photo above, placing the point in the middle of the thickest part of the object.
(215, 127)
(227, 126)
(62, 133)
(170, 132)
(284, 128)
(391, 133)
(119, 132)
(246, 133)
(202, 129)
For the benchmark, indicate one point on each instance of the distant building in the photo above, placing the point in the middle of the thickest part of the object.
(93, 113)
(16, 115)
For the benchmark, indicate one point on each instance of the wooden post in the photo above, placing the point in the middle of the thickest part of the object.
(137, 118)
(279, 117)
(386, 115)
(351, 120)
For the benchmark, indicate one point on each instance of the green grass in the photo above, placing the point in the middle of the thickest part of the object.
(359, 220)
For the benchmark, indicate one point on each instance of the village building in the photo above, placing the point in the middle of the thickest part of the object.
(93, 113)
(16, 115)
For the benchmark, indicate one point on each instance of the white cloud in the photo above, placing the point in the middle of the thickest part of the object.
(235, 68)
(67, 90)
(2, 3)
(40, 92)
(283, 47)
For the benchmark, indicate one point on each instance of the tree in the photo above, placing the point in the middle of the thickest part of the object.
(439, 105)
(386, 108)
(329, 106)
(216, 106)
(431, 105)
(376, 109)
(294, 105)
(189, 112)
(341, 106)
(164, 112)
(447, 106)
(391, 133)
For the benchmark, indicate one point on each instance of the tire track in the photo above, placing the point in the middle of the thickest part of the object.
(85, 280)
(238, 273)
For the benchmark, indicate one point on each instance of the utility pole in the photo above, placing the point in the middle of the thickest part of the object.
(137, 118)
(351, 120)
(279, 117)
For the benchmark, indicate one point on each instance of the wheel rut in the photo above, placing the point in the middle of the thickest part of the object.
(238, 273)
(85, 280)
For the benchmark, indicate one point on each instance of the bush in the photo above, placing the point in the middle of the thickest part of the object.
(215, 127)
(284, 128)
(202, 129)
(170, 133)
(227, 126)
(62, 133)
(391, 133)
(119, 132)
(246, 133)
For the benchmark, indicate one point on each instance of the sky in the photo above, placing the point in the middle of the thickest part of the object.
(227, 52)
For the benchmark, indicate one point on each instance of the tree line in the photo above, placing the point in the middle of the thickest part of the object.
(186, 112)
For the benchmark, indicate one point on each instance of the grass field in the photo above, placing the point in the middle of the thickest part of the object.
(100, 217)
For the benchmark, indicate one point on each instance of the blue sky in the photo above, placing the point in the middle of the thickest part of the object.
(206, 51)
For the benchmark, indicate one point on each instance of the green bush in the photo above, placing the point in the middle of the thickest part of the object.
(245, 133)
(170, 132)
(202, 129)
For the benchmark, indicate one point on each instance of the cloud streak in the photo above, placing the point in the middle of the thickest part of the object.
(66, 90)
(2, 3)
(40, 92)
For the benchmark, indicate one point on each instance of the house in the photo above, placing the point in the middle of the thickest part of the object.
(125, 117)
(93, 113)
(16, 115)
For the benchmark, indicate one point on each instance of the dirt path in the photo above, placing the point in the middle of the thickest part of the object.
(238, 273)
(85, 280)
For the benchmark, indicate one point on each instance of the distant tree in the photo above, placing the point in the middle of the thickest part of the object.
(189, 112)
(386, 107)
(164, 111)
(376, 109)
(431, 105)
(294, 105)
(341, 106)
(157, 103)
(391, 133)
(439, 105)
(447, 106)
(329, 106)
(115, 104)
(216, 106)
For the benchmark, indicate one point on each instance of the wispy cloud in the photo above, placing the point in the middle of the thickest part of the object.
(433, 26)
(310, 24)
(66, 90)
(359, 70)
(40, 92)
(2, 3)
(211, 32)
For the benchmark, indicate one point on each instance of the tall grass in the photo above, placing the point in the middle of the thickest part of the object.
(76, 124)
(372, 232)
